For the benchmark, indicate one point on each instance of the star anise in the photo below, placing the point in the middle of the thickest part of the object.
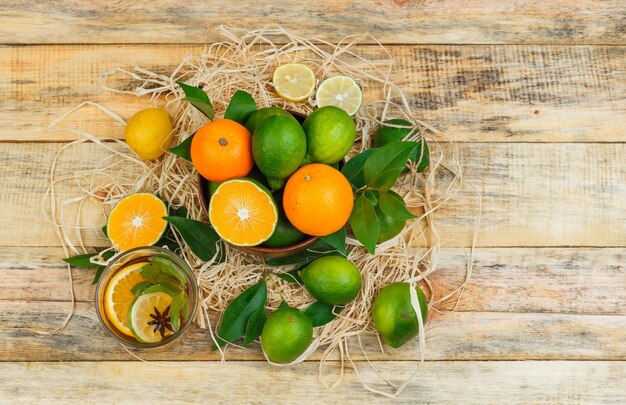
(161, 321)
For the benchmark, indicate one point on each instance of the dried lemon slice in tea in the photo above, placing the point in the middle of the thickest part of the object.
(140, 319)
(294, 81)
(340, 91)
(118, 297)
(243, 212)
(137, 220)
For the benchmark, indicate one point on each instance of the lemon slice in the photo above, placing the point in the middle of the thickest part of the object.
(139, 315)
(294, 81)
(118, 297)
(340, 91)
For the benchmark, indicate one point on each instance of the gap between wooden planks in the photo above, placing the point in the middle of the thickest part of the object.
(533, 195)
(256, 382)
(397, 21)
(474, 93)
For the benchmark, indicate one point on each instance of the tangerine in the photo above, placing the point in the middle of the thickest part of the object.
(222, 150)
(318, 199)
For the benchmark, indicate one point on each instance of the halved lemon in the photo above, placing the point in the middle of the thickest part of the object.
(243, 212)
(140, 318)
(118, 297)
(294, 81)
(137, 220)
(340, 91)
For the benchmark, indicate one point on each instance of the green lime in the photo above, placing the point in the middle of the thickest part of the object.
(388, 227)
(333, 280)
(278, 147)
(393, 315)
(257, 117)
(213, 185)
(287, 333)
(386, 134)
(330, 134)
(285, 233)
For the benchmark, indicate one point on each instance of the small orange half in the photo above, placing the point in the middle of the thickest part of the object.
(137, 220)
(243, 212)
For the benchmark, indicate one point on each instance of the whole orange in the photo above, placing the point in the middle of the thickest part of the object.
(318, 199)
(222, 150)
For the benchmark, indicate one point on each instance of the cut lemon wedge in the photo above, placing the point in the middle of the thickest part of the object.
(118, 297)
(294, 81)
(340, 91)
(139, 315)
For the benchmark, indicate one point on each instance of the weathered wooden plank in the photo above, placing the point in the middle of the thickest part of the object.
(398, 21)
(533, 195)
(451, 336)
(580, 281)
(438, 383)
(474, 93)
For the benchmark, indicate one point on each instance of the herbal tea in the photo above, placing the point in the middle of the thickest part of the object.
(147, 299)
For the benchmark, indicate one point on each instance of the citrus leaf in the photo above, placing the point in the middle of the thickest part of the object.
(200, 237)
(364, 223)
(169, 268)
(178, 307)
(84, 262)
(393, 205)
(320, 313)
(319, 249)
(140, 287)
(254, 327)
(293, 276)
(370, 195)
(199, 99)
(337, 240)
(160, 273)
(105, 231)
(283, 304)
(385, 164)
(238, 313)
(96, 276)
(353, 168)
(240, 107)
(162, 287)
(183, 149)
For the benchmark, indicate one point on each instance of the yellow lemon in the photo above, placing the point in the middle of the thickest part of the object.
(149, 133)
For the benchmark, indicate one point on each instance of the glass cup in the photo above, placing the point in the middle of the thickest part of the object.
(139, 255)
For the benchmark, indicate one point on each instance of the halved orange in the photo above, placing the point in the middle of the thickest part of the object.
(137, 220)
(243, 212)
(118, 296)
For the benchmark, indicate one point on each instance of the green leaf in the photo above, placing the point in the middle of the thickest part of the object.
(238, 313)
(364, 223)
(320, 313)
(83, 261)
(140, 287)
(162, 271)
(162, 287)
(392, 205)
(178, 308)
(292, 276)
(337, 240)
(240, 107)
(183, 149)
(283, 304)
(105, 231)
(385, 164)
(96, 276)
(200, 237)
(353, 169)
(319, 249)
(178, 212)
(370, 195)
(199, 99)
(169, 268)
(254, 327)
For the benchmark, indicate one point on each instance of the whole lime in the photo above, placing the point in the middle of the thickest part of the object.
(278, 148)
(330, 133)
(393, 315)
(149, 133)
(287, 333)
(257, 117)
(333, 280)
(388, 227)
(388, 132)
(285, 233)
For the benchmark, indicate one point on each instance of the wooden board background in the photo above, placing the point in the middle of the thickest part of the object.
(535, 95)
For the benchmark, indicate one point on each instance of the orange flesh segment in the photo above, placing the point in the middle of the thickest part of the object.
(137, 220)
(242, 213)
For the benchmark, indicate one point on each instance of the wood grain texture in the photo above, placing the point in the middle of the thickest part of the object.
(397, 21)
(534, 195)
(248, 382)
(474, 93)
(450, 336)
(577, 281)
